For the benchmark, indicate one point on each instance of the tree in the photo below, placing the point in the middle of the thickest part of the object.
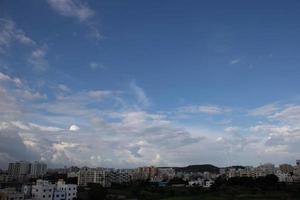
(96, 192)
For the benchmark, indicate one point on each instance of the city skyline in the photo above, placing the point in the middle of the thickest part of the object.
(124, 84)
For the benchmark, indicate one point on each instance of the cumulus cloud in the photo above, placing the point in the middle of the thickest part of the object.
(114, 132)
(74, 128)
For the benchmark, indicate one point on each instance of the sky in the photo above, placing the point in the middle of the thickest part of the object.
(133, 83)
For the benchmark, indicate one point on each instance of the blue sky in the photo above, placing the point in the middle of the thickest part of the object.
(131, 83)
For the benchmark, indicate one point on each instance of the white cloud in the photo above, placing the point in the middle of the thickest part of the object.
(139, 94)
(206, 109)
(38, 58)
(9, 33)
(16, 81)
(100, 93)
(126, 135)
(232, 129)
(74, 128)
(265, 110)
(235, 61)
(79, 10)
(94, 65)
(289, 114)
(72, 8)
(63, 88)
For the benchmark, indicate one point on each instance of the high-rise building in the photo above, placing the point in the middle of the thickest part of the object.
(20, 168)
(38, 169)
(93, 175)
(24, 168)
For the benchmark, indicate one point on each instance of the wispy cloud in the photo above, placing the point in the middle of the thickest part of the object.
(79, 10)
(38, 58)
(206, 109)
(234, 61)
(5, 77)
(72, 8)
(265, 110)
(94, 66)
(139, 94)
(9, 33)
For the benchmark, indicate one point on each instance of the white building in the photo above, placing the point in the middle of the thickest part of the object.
(69, 190)
(93, 175)
(44, 190)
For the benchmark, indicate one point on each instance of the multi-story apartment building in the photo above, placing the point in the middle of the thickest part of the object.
(118, 176)
(44, 190)
(70, 190)
(24, 168)
(20, 168)
(38, 169)
(147, 172)
(92, 175)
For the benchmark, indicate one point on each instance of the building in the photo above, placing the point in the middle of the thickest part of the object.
(166, 173)
(44, 190)
(17, 169)
(38, 169)
(93, 175)
(286, 168)
(11, 194)
(21, 169)
(67, 190)
(147, 172)
(118, 176)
